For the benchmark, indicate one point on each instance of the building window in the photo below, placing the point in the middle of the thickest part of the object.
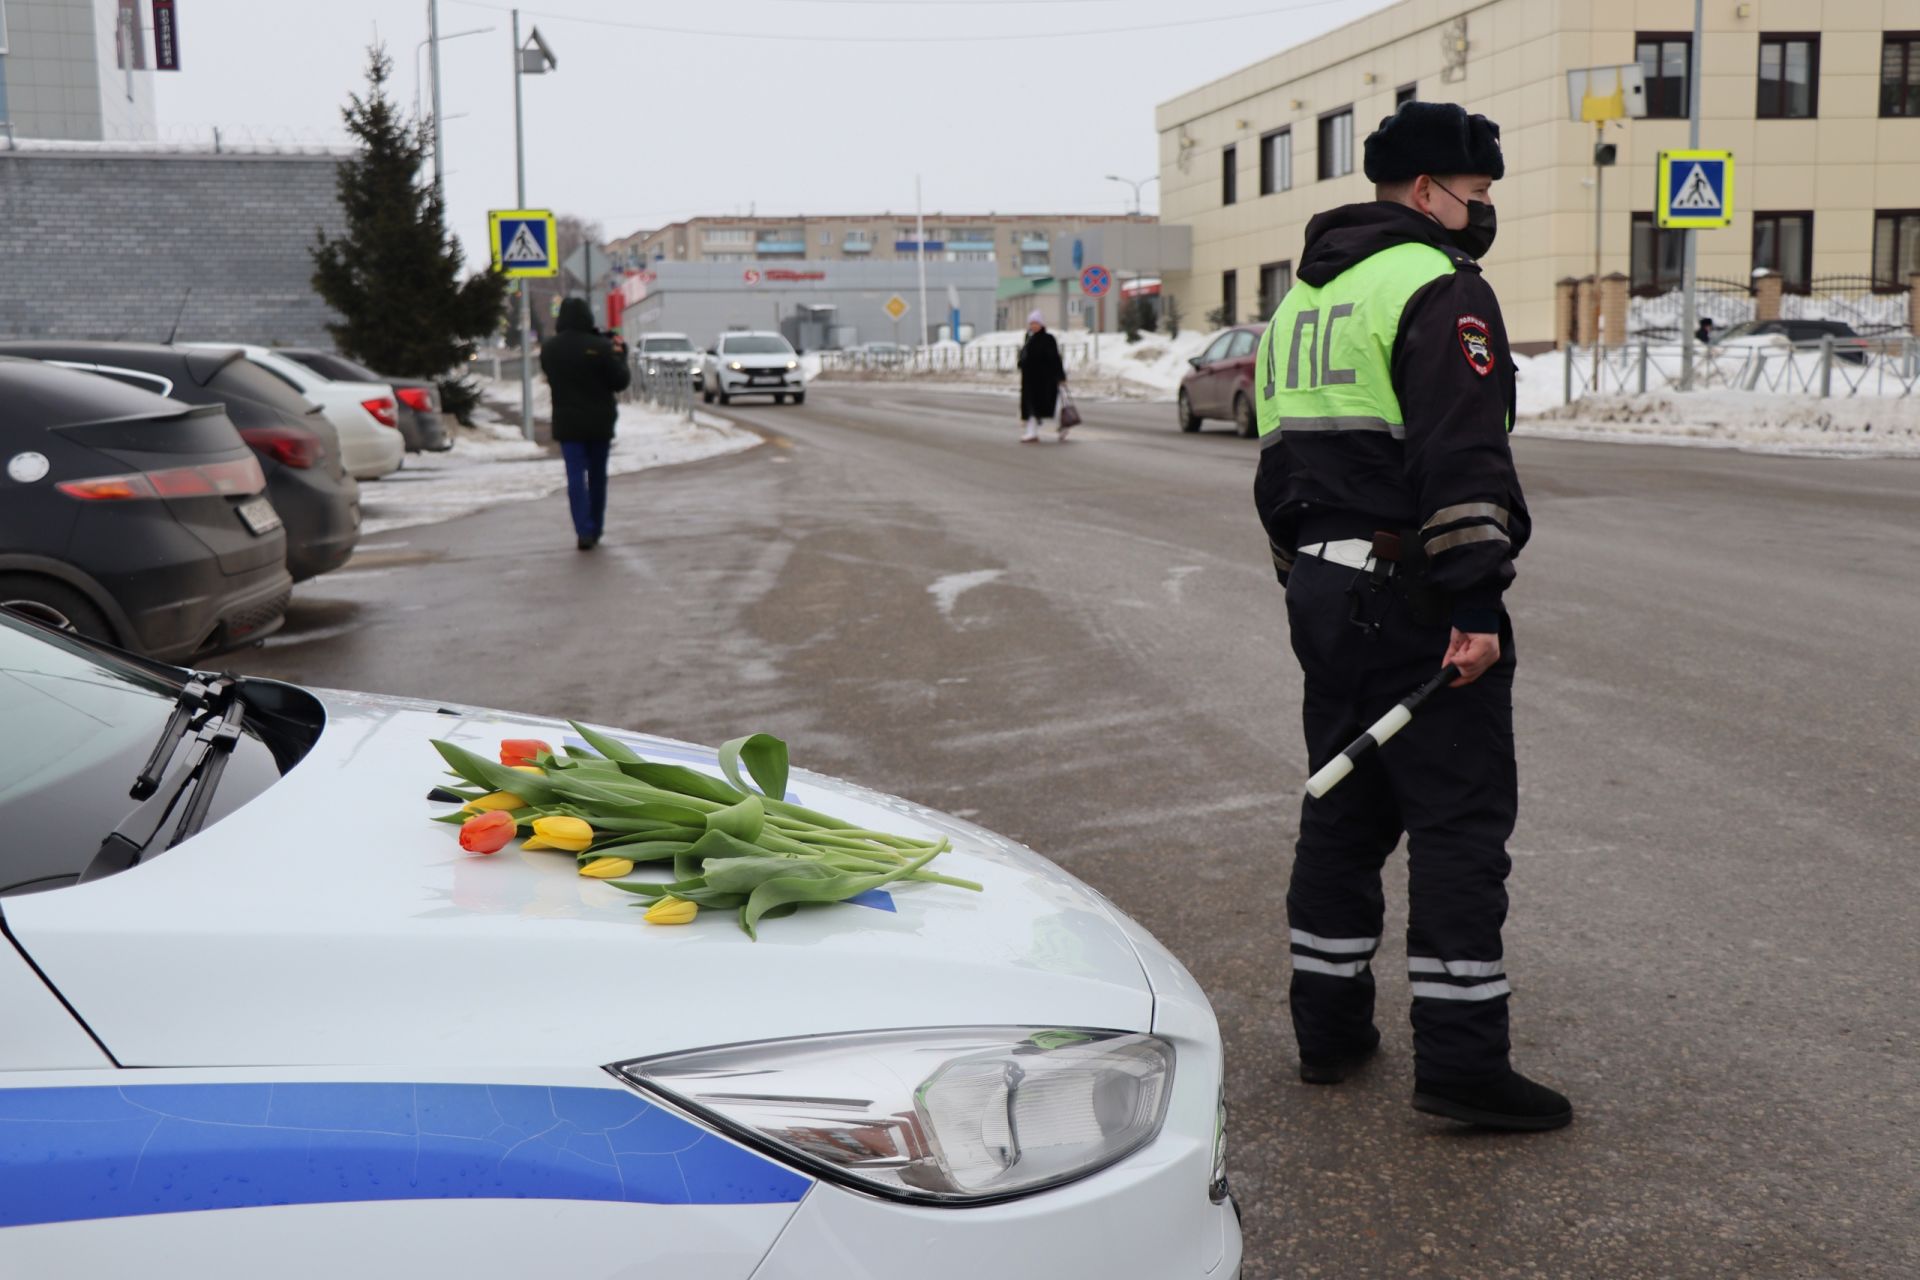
(1666, 59)
(1659, 257)
(728, 235)
(1275, 279)
(1896, 249)
(1336, 144)
(1404, 94)
(1900, 74)
(1789, 77)
(1230, 296)
(1229, 164)
(1783, 244)
(1276, 161)
(826, 235)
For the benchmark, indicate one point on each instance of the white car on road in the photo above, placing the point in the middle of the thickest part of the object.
(364, 414)
(744, 363)
(286, 1027)
(659, 352)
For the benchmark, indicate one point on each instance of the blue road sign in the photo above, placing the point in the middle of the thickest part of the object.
(1695, 189)
(523, 242)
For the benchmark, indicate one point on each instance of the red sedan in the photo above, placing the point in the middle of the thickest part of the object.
(1221, 384)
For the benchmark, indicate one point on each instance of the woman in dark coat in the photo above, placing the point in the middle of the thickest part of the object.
(1041, 377)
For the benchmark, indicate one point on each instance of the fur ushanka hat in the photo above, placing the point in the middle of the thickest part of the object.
(1433, 137)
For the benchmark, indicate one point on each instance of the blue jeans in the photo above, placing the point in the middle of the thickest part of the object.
(587, 484)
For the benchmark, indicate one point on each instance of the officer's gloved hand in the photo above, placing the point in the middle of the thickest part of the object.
(1474, 652)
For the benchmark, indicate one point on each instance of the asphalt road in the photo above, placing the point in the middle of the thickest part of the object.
(1713, 940)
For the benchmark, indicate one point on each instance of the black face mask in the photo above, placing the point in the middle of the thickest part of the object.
(1476, 238)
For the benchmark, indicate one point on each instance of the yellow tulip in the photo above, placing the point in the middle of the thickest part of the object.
(671, 910)
(528, 768)
(607, 868)
(571, 834)
(495, 800)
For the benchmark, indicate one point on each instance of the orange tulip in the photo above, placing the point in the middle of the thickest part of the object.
(487, 832)
(522, 750)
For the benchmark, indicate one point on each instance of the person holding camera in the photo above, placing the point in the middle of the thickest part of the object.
(585, 370)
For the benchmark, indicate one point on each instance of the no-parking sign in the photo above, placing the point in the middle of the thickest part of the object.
(1095, 281)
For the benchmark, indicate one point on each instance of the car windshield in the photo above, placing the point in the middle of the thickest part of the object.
(338, 368)
(244, 378)
(666, 344)
(755, 344)
(79, 725)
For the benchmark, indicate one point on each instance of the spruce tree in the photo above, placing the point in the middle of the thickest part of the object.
(395, 276)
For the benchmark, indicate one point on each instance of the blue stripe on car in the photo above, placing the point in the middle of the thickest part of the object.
(74, 1153)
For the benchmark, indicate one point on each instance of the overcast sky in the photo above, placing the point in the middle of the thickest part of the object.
(784, 106)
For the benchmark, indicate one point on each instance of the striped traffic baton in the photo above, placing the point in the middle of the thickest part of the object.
(1382, 729)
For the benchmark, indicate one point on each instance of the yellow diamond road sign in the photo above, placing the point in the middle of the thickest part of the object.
(523, 242)
(1695, 189)
(896, 306)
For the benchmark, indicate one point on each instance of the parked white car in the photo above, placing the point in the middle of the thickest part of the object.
(746, 363)
(365, 414)
(313, 1038)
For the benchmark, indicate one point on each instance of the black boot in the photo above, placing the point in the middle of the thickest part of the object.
(1509, 1101)
(1333, 1070)
(586, 543)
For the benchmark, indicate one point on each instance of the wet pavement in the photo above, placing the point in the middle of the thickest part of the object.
(1712, 941)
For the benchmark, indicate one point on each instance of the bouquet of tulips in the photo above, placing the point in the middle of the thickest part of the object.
(731, 846)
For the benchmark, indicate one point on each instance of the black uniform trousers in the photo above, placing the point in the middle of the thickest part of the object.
(1447, 781)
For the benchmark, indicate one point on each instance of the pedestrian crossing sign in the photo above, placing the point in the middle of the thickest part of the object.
(523, 242)
(1695, 189)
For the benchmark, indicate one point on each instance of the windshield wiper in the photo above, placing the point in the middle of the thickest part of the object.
(222, 720)
(197, 695)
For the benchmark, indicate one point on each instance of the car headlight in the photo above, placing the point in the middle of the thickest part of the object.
(793, 364)
(736, 366)
(945, 1116)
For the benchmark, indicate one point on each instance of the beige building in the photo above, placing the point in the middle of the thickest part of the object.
(1020, 244)
(1819, 100)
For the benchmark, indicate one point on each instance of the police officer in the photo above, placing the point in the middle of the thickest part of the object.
(1388, 492)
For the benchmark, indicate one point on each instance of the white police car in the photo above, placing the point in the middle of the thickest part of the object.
(263, 1018)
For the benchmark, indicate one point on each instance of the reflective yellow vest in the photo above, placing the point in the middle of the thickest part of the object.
(1326, 359)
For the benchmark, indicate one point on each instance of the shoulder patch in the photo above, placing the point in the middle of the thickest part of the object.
(1476, 343)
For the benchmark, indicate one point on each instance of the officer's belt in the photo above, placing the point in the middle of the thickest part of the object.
(1354, 553)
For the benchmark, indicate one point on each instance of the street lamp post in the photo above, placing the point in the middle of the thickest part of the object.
(531, 59)
(1114, 177)
(433, 41)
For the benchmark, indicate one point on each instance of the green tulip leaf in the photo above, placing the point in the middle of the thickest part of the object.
(834, 888)
(477, 769)
(766, 759)
(611, 748)
(742, 821)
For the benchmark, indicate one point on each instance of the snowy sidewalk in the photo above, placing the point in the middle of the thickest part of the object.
(490, 462)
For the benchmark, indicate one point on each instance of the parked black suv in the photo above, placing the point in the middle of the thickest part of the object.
(137, 519)
(298, 448)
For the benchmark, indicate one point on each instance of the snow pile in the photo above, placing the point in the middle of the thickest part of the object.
(1741, 420)
(1150, 369)
(490, 462)
(1776, 415)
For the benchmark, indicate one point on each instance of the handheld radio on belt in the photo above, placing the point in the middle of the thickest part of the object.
(1378, 732)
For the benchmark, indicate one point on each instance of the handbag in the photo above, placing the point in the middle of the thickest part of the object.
(1069, 414)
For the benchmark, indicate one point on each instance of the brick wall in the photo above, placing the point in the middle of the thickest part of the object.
(101, 245)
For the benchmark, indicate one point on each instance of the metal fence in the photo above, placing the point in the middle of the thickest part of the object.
(1872, 311)
(1729, 302)
(670, 385)
(1831, 368)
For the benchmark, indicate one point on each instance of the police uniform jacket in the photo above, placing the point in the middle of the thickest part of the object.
(1385, 393)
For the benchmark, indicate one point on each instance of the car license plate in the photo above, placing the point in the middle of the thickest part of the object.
(259, 516)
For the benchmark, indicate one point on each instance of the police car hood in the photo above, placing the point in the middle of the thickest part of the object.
(328, 921)
(1343, 237)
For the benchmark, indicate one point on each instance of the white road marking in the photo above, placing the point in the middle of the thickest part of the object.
(945, 591)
